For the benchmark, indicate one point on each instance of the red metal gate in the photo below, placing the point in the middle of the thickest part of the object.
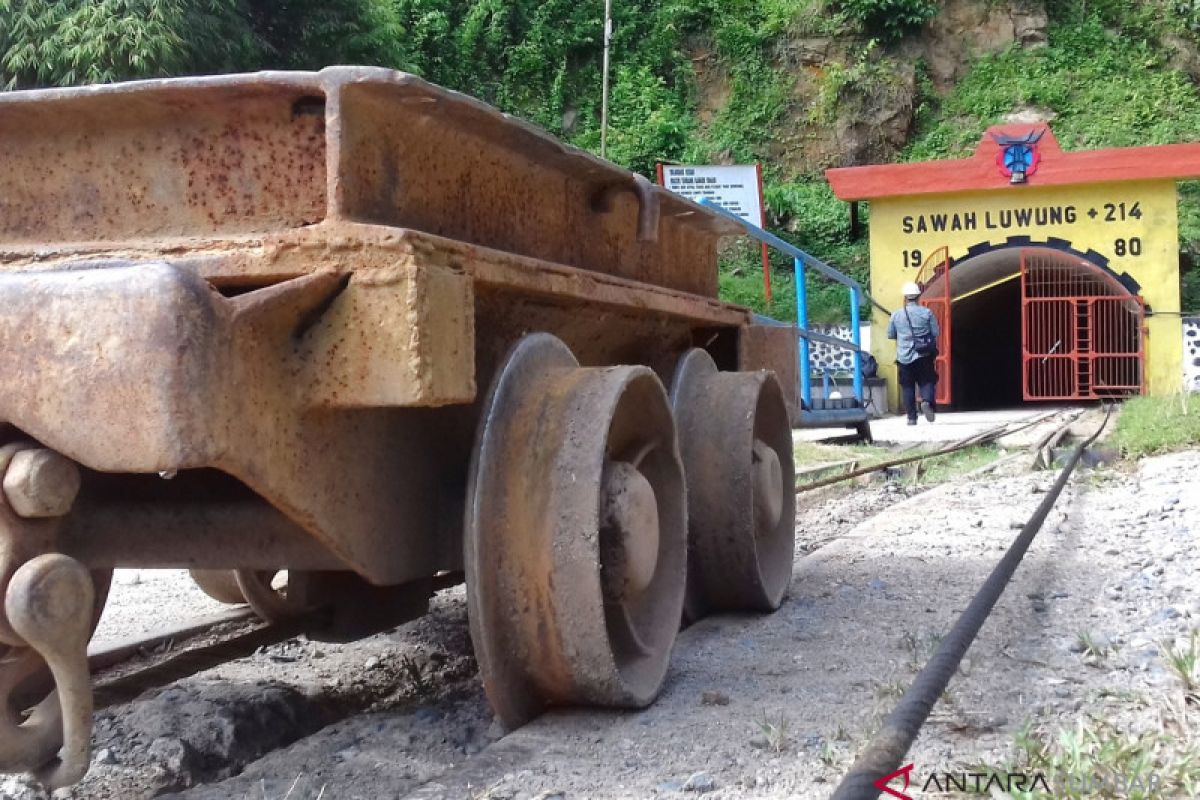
(934, 279)
(1081, 331)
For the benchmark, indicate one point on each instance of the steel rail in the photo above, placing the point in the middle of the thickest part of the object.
(113, 653)
(185, 657)
(975, 439)
(192, 660)
(883, 754)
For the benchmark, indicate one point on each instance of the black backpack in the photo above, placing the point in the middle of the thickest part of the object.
(870, 367)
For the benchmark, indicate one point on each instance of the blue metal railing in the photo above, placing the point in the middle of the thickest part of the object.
(801, 261)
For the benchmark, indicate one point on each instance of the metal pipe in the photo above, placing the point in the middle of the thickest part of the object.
(795, 252)
(604, 80)
(248, 534)
(883, 755)
(802, 324)
(856, 337)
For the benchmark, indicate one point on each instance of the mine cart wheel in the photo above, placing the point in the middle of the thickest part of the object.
(575, 536)
(270, 602)
(253, 587)
(219, 584)
(736, 442)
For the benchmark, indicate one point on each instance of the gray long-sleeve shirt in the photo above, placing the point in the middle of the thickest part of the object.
(923, 322)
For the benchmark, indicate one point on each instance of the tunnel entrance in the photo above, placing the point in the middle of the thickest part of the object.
(986, 350)
(1039, 324)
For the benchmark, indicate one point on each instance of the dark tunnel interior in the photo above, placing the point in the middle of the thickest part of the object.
(986, 349)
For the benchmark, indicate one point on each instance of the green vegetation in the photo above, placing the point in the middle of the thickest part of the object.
(889, 19)
(1149, 425)
(1097, 759)
(1106, 88)
(1184, 659)
(943, 468)
(813, 453)
(67, 42)
(774, 730)
(1093, 647)
(693, 81)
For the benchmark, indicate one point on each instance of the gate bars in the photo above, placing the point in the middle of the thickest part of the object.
(1081, 332)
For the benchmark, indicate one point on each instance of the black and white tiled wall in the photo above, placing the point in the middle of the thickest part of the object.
(1191, 354)
(824, 356)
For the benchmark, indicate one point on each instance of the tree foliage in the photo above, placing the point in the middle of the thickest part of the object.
(68, 42)
(311, 34)
(65, 42)
(889, 19)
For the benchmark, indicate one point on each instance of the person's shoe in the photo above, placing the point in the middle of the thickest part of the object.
(927, 410)
(912, 420)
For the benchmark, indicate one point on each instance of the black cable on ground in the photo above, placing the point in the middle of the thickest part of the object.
(884, 753)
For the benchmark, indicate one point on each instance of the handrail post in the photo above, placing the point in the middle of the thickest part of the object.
(856, 337)
(802, 324)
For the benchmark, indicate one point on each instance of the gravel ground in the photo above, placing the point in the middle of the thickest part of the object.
(753, 707)
(137, 600)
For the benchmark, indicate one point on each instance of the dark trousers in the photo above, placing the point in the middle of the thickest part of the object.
(919, 373)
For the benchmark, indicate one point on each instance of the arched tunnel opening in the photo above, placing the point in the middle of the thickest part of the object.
(1083, 330)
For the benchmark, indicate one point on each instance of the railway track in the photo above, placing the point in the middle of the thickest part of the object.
(190, 646)
(1050, 429)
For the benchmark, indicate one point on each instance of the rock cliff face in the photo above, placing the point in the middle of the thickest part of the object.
(875, 120)
(968, 28)
(854, 101)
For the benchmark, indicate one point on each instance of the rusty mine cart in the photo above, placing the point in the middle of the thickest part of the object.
(379, 335)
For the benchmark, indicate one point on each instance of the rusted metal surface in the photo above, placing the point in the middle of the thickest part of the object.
(40, 483)
(272, 601)
(268, 596)
(737, 452)
(184, 533)
(273, 151)
(49, 602)
(152, 358)
(773, 348)
(182, 158)
(576, 534)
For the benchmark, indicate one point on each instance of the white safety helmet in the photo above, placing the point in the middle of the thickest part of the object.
(910, 289)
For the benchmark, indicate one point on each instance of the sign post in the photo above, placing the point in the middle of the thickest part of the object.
(736, 188)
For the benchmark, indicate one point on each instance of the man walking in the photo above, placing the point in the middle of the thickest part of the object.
(915, 330)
